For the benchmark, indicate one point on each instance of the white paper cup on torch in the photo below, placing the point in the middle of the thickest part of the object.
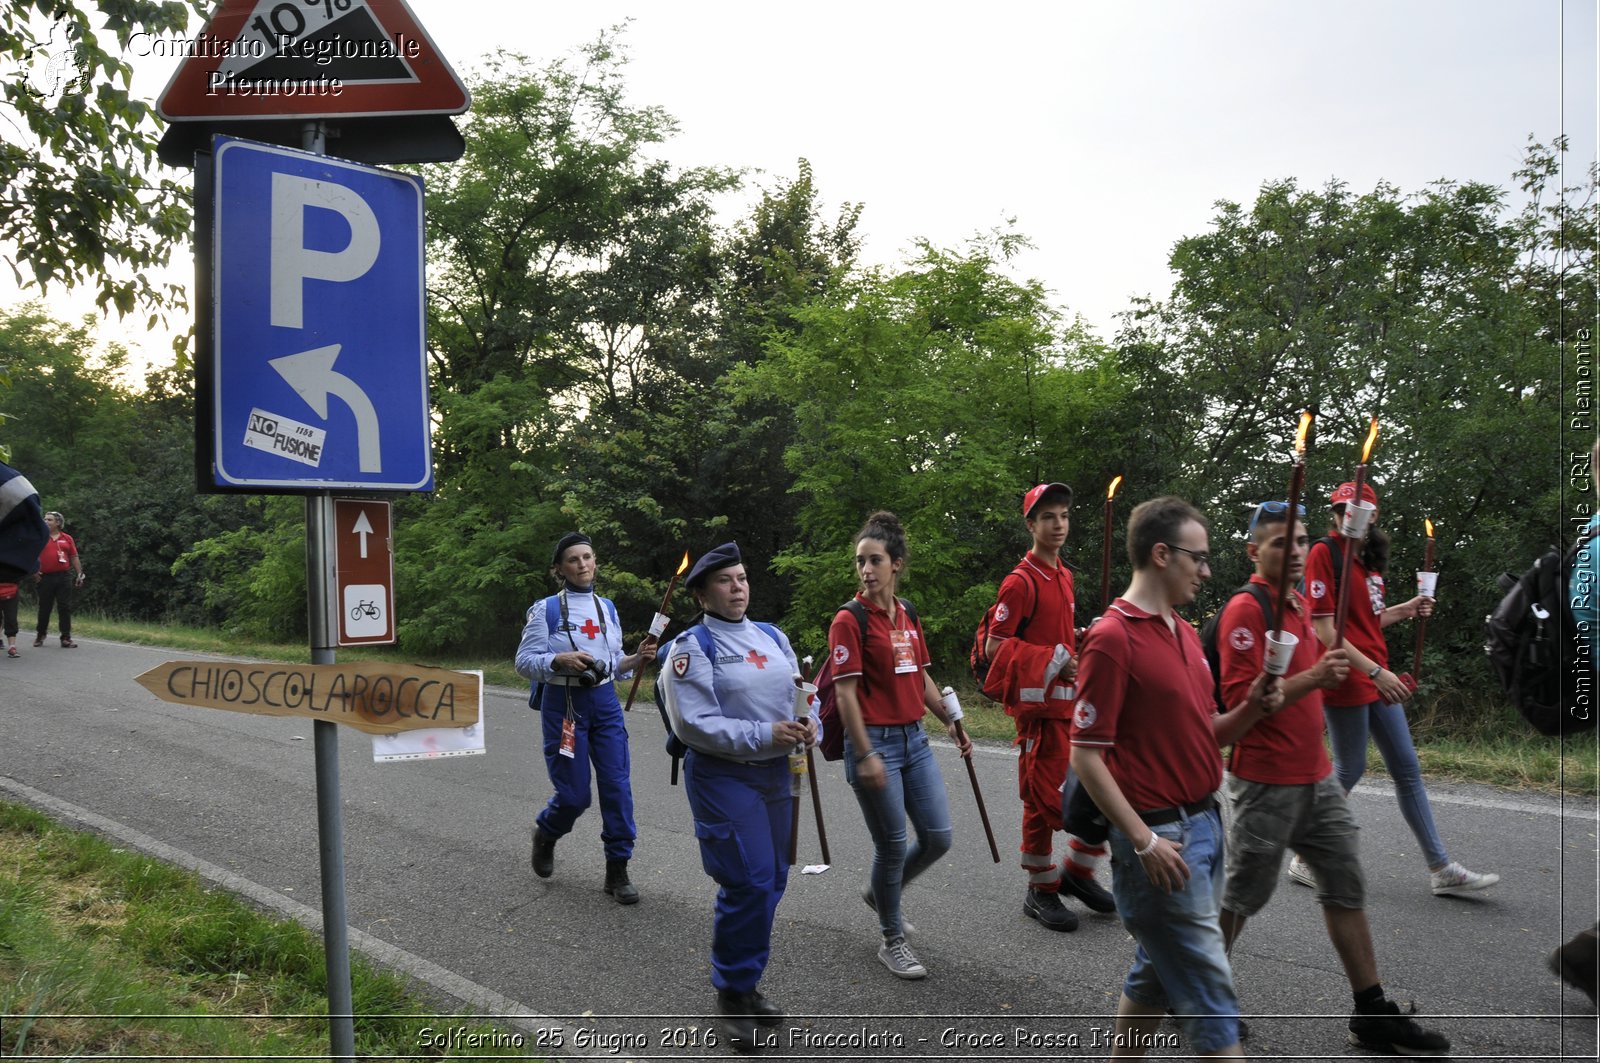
(805, 697)
(952, 704)
(1427, 584)
(1280, 650)
(1357, 519)
(658, 624)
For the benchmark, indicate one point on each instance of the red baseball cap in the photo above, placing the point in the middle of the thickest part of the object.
(1030, 501)
(1346, 491)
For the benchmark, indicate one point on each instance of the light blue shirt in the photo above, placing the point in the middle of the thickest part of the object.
(727, 706)
(586, 629)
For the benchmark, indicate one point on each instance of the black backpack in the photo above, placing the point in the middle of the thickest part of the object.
(1208, 633)
(1533, 646)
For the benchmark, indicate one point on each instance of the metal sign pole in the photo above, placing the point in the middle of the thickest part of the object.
(321, 550)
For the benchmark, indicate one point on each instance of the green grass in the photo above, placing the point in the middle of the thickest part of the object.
(104, 952)
(1463, 735)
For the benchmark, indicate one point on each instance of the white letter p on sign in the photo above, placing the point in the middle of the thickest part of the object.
(293, 262)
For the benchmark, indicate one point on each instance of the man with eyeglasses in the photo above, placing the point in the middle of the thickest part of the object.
(1282, 784)
(1145, 745)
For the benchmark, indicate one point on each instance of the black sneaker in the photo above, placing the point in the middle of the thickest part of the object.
(1049, 911)
(1388, 1027)
(1094, 896)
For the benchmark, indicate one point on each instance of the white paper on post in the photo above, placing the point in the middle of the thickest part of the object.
(431, 743)
(658, 624)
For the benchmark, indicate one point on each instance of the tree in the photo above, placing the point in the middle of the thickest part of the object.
(79, 198)
(940, 392)
(1435, 311)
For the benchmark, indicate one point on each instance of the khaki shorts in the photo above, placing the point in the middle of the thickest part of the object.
(1312, 819)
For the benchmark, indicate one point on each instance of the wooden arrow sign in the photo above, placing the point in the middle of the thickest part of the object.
(371, 696)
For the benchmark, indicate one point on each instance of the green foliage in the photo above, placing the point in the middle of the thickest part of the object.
(941, 392)
(1436, 312)
(79, 198)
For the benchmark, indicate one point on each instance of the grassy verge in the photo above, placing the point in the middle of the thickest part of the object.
(1472, 738)
(104, 952)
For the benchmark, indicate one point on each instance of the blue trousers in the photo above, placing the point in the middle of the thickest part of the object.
(742, 817)
(601, 740)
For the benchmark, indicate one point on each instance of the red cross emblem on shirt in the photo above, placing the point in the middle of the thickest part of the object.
(756, 659)
(589, 628)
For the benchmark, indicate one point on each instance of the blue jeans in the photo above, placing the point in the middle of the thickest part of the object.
(1348, 729)
(1181, 962)
(913, 790)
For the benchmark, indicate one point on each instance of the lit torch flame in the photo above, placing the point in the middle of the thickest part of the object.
(683, 565)
(1300, 436)
(1111, 489)
(1429, 524)
(1372, 437)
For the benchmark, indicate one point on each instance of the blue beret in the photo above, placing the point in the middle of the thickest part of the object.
(714, 560)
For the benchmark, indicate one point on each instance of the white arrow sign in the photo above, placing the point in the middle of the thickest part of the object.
(363, 528)
(311, 375)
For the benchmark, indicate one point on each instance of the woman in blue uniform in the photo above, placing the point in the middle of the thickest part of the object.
(731, 689)
(571, 650)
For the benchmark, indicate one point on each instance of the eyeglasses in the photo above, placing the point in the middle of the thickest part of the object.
(1201, 560)
(1274, 508)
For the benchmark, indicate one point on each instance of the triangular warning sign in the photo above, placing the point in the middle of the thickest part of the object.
(312, 59)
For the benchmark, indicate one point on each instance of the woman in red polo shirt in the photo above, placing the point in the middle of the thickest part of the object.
(883, 688)
(1371, 701)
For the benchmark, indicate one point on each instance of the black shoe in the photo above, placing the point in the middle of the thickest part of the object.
(1094, 896)
(736, 1022)
(1049, 911)
(753, 1005)
(622, 891)
(544, 853)
(1386, 1027)
(1577, 963)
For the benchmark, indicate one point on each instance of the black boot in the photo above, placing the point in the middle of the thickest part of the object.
(738, 1014)
(622, 891)
(544, 853)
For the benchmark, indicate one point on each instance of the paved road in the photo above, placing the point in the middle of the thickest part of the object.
(438, 884)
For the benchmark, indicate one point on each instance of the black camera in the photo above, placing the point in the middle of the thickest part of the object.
(597, 672)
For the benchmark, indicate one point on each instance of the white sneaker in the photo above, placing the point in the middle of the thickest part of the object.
(1300, 872)
(1453, 878)
(898, 957)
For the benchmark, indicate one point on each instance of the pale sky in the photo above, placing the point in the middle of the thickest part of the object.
(1106, 130)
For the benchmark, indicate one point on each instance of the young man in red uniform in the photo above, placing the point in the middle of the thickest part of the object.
(1145, 745)
(1285, 795)
(1036, 605)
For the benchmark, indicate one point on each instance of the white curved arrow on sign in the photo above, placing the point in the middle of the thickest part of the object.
(311, 375)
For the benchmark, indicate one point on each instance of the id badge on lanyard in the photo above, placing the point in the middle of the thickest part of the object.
(569, 731)
(905, 658)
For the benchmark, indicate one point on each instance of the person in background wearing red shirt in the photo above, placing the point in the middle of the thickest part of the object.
(58, 558)
(1036, 605)
(883, 689)
(1284, 792)
(1145, 745)
(1370, 699)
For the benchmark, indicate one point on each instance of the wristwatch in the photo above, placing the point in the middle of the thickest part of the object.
(1375, 670)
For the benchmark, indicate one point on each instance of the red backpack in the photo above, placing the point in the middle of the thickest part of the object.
(978, 657)
(831, 740)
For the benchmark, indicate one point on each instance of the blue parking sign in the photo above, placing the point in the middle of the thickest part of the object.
(320, 369)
